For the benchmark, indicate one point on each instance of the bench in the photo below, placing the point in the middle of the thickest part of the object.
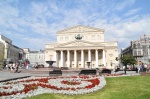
(106, 71)
(88, 72)
(55, 73)
(118, 69)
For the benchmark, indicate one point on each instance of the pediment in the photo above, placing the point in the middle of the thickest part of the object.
(80, 28)
(78, 43)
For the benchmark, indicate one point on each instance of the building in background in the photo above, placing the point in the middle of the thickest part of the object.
(78, 45)
(2, 48)
(140, 49)
(8, 51)
(35, 56)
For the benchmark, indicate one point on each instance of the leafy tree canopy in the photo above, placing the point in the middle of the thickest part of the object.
(128, 59)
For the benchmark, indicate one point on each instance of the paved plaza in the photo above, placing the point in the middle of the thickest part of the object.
(7, 74)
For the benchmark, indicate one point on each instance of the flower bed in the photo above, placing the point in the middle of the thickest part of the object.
(114, 75)
(70, 85)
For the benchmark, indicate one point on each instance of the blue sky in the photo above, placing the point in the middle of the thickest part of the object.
(33, 23)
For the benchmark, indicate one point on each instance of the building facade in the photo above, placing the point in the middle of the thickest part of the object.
(78, 45)
(8, 51)
(35, 56)
(140, 49)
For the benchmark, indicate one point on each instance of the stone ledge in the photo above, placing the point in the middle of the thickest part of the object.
(145, 73)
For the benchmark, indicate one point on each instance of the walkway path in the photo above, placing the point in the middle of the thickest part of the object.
(6, 74)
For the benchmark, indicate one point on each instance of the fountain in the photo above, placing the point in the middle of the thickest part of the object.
(50, 63)
(88, 64)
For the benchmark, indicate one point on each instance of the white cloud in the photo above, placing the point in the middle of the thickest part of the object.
(123, 4)
(132, 12)
(42, 20)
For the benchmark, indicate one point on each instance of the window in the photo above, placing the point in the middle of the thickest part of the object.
(98, 36)
(110, 55)
(135, 53)
(138, 45)
(66, 38)
(134, 45)
(139, 53)
(93, 37)
(61, 38)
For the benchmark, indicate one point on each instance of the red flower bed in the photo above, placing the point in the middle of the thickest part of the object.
(67, 84)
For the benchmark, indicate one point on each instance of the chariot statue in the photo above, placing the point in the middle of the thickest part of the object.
(78, 37)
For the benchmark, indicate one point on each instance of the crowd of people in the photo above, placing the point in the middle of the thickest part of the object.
(143, 68)
(12, 66)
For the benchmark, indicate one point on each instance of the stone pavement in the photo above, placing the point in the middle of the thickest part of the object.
(7, 74)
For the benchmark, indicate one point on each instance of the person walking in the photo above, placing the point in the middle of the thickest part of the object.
(16, 68)
(142, 67)
(26, 65)
(139, 69)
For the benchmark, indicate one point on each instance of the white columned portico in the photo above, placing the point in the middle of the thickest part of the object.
(96, 58)
(68, 58)
(89, 55)
(75, 58)
(62, 61)
(104, 58)
(82, 58)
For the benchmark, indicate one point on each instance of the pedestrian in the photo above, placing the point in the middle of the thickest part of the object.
(4, 65)
(36, 66)
(142, 67)
(146, 67)
(26, 65)
(139, 69)
(17, 67)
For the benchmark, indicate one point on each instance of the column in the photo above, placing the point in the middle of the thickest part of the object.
(62, 60)
(89, 55)
(68, 58)
(96, 58)
(82, 59)
(75, 58)
(55, 58)
(104, 58)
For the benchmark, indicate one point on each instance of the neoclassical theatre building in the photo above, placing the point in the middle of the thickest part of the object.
(78, 45)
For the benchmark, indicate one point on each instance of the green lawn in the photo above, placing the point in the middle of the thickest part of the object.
(131, 87)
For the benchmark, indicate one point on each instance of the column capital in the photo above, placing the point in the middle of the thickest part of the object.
(104, 49)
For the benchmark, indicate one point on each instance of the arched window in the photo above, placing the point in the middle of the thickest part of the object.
(134, 45)
(138, 46)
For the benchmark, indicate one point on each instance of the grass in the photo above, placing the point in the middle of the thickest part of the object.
(131, 87)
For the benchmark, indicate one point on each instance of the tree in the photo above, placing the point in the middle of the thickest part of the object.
(116, 59)
(26, 60)
(127, 59)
